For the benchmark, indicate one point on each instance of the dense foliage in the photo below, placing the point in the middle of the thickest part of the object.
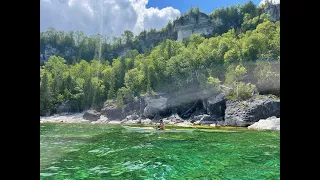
(75, 46)
(242, 61)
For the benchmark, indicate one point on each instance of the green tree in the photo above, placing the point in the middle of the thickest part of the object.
(133, 80)
(45, 93)
(128, 37)
(267, 76)
(234, 76)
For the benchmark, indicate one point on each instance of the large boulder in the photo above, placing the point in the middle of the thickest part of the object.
(91, 115)
(132, 107)
(271, 123)
(111, 111)
(155, 104)
(101, 120)
(216, 106)
(244, 113)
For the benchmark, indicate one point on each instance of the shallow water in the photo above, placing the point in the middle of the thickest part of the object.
(88, 151)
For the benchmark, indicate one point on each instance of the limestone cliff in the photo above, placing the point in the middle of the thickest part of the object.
(274, 11)
(192, 24)
(183, 27)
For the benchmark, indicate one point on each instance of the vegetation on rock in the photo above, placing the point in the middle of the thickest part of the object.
(244, 58)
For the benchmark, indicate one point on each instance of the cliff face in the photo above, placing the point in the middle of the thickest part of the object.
(51, 51)
(192, 24)
(274, 11)
(181, 28)
(203, 24)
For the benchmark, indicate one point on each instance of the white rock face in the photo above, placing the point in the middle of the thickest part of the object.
(154, 105)
(191, 24)
(271, 123)
(185, 124)
(145, 121)
(114, 122)
(185, 33)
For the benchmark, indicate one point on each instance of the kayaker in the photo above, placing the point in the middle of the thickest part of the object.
(161, 125)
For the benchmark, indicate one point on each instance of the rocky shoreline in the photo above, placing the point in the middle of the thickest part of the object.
(258, 112)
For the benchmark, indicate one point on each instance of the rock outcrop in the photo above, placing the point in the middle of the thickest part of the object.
(216, 106)
(111, 111)
(271, 123)
(155, 104)
(194, 109)
(174, 118)
(244, 113)
(183, 27)
(101, 120)
(91, 115)
(132, 107)
(191, 24)
(274, 11)
(202, 119)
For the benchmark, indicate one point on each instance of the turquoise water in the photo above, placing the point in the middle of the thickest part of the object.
(88, 151)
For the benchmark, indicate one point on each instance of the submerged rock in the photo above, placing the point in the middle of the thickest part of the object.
(271, 123)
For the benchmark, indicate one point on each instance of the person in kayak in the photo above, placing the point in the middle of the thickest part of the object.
(161, 125)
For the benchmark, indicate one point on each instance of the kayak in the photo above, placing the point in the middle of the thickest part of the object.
(155, 129)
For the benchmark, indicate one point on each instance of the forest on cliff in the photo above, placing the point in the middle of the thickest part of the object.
(241, 57)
